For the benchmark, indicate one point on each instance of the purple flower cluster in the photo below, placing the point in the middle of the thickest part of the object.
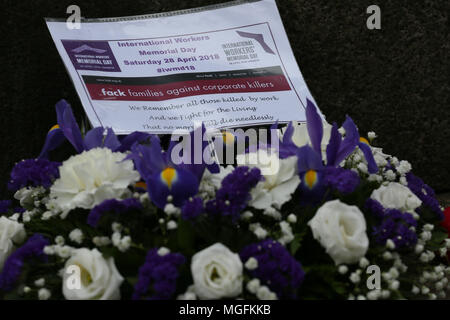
(158, 276)
(234, 193)
(393, 224)
(277, 268)
(4, 205)
(375, 208)
(112, 205)
(12, 269)
(343, 180)
(192, 208)
(33, 172)
(425, 193)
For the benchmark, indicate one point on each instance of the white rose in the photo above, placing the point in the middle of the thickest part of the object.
(11, 232)
(341, 230)
(91, 177)
(280, 178)
(99, 278)
(396, 196)
(217, 273)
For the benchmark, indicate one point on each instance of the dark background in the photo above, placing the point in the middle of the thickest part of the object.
(394, 81)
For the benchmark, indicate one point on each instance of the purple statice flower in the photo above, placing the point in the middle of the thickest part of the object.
(192, 208)
(277, 268)
(425, 193)
(375, 208)
(112, 205)
(4, 205)
(343, 180)
(397, 226)
(33, 172)
(12, 269)
(234, 193)
(158, 276)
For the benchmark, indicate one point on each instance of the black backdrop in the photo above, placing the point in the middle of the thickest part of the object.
(394, 81)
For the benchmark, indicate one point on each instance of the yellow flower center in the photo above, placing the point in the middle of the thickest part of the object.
(141, 184)
(310, 178)
(56, 126)
(168, 175)
(227, 137)
(364, 140)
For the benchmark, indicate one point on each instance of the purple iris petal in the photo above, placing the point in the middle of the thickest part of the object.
(372, 165)
(287, 147)
(55, 137)
(68, 125)
(315, 126)
(184, 186)
(350, 141)
(94, 138)
(129, 140)
(308, 159)
(197, 160)
(111, 140)
(333, 146)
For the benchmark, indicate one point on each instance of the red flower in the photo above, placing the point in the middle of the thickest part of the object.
(446, 222)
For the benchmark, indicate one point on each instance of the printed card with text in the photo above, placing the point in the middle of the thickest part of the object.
(228, 65)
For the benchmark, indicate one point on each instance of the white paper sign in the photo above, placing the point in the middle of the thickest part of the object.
(228, 65)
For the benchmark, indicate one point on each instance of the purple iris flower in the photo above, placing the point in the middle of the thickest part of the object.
(162, 176)
(196, 161)
(337, 149)
(67, 128)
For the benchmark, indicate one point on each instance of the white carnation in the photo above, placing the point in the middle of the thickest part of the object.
(91, 177)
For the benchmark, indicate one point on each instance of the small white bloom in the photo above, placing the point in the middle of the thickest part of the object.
(363, 262)
(247, 215)
(292, 218)
(341, 230)
(170, 210)
(390, 244)
(343, 269)
(264, 293)
(251, 263)
(39, 282)
(44, 294)
(163, 251)
(76, 235)
(171, 225)
(286, 231)
(100, 278)
(390, 175)
(217, 273)
(362, 167)
(355, 277)
(415, 290)
(101, 241)
(91, 177)
(371, 135)
(253, 285)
